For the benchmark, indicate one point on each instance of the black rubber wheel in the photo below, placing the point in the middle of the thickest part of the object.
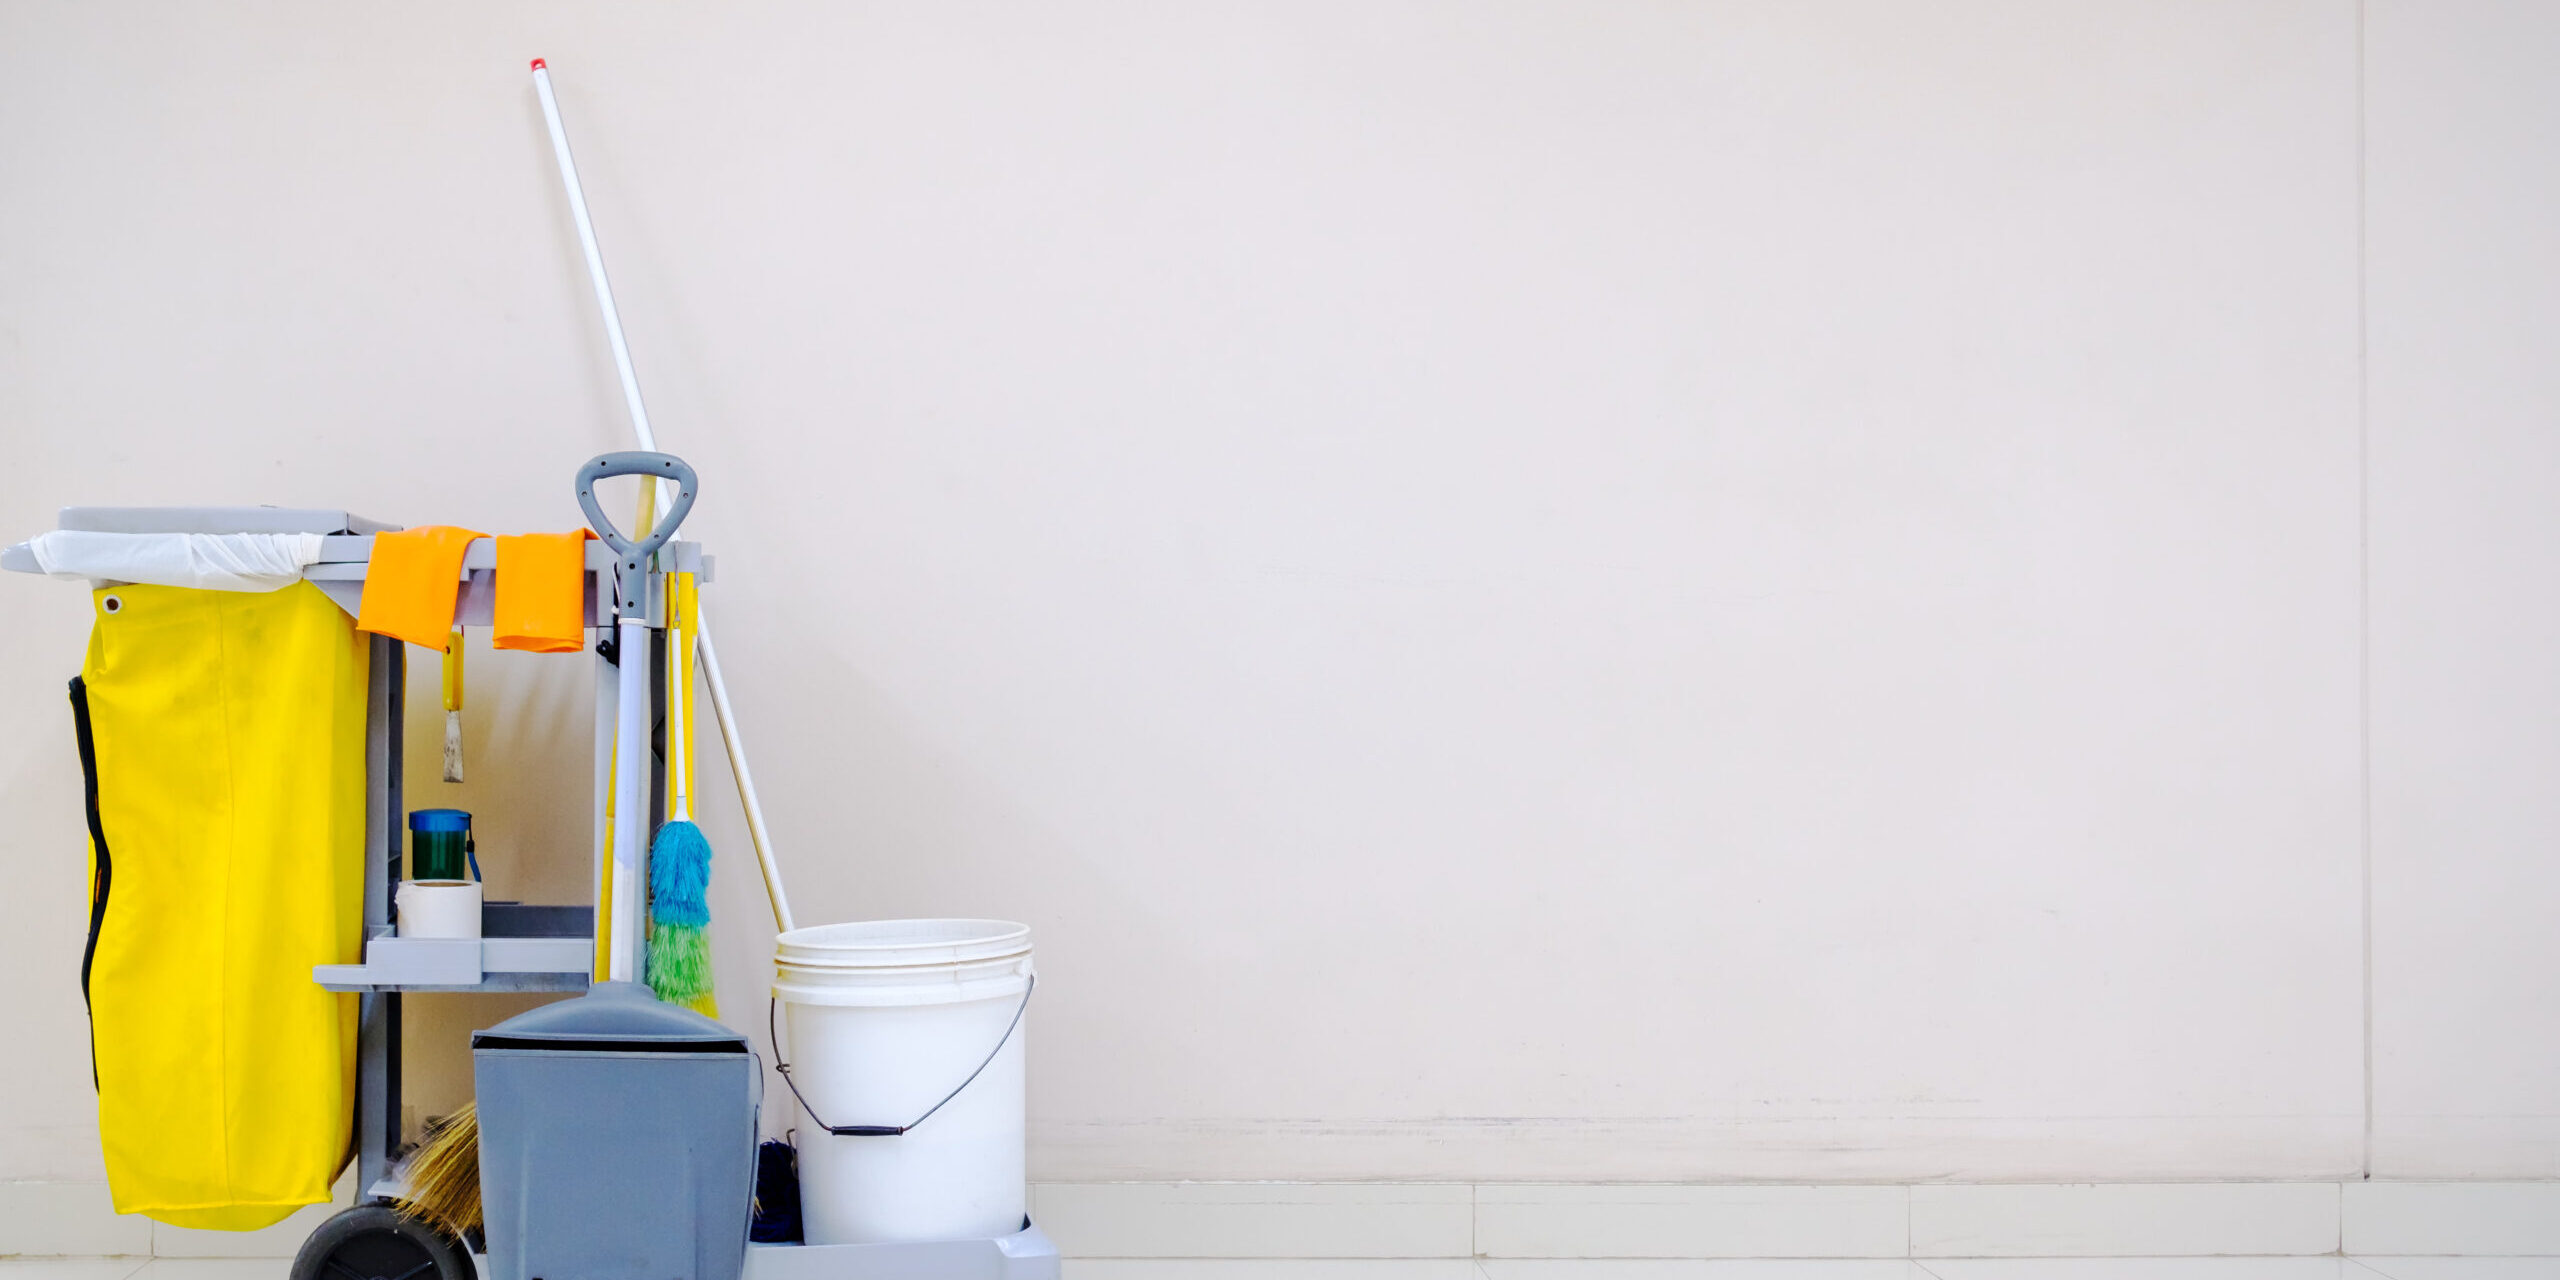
(378, 1242)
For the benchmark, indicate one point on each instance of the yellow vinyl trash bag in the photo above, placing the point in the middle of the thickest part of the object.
(222, 733)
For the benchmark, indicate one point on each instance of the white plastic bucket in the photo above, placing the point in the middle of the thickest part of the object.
(881, 1020)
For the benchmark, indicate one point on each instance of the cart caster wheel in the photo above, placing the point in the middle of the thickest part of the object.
(378, 1242)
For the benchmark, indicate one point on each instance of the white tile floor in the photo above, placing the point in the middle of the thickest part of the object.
(2328, 1268)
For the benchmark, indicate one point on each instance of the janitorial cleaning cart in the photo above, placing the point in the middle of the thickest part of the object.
(263, 901)
(617, 1132)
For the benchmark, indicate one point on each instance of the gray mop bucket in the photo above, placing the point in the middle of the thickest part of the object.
(617, 1138)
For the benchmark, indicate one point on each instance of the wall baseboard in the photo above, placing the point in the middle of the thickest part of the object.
(1626, 1220)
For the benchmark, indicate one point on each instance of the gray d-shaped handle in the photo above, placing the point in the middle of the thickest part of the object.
(631, 573)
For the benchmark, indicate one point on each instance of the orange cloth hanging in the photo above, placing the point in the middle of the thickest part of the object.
(410, 587)
(542, 592)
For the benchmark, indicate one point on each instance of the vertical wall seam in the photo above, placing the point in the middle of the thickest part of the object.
(2364, 566)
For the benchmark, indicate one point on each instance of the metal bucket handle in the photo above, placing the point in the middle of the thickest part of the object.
(1031, 980)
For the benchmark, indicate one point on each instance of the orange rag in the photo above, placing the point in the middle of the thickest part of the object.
(410, 587)
(542, 592)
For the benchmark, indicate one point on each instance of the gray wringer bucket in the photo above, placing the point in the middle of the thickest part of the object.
(617, 1140)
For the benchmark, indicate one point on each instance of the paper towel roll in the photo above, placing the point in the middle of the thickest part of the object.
(439, 909)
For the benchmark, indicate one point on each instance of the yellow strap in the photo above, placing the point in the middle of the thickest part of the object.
(453, 670)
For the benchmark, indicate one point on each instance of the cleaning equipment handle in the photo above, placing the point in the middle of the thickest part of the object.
(709, 653)
(630, 577)
(595, 257)
(738, 770)
(631, 656)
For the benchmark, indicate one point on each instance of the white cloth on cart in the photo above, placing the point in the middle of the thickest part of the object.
(213, 561)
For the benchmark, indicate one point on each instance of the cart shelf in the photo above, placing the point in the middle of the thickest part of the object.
(522, 948)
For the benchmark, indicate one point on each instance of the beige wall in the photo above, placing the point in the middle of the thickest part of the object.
(1516, 591)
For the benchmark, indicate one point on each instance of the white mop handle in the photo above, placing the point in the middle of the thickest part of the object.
(630, 794)
(738, 769)
(595, 262)
(710, 657)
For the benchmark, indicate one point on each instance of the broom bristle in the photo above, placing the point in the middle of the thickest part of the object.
(444, 1175)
